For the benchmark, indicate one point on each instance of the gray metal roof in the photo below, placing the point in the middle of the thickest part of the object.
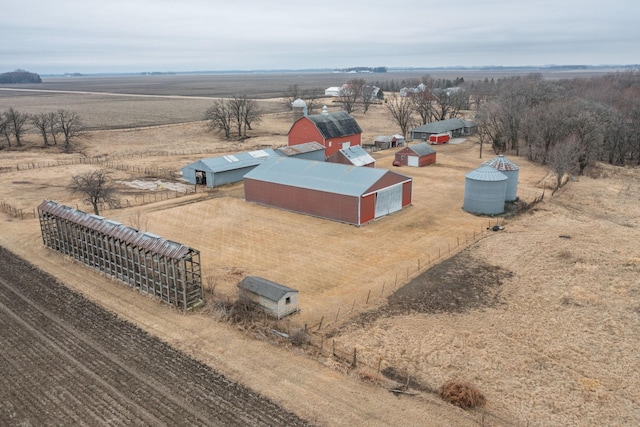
(293, 150)
(357, 155)
(232, 161)
(321, 176)
(334, 125)
(486, 173)
(266, 288)
(141, 239)
(502, 164)
(421, 149)
(444, 126)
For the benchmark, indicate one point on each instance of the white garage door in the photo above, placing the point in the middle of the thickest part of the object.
(412, 161)
(388, 200)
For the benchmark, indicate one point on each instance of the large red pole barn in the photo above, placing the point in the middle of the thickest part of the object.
(350, 194)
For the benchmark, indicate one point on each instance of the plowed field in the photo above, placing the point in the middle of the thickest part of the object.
(66, 361)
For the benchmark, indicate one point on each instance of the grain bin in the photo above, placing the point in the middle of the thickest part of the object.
(484, 191)
(511, 171)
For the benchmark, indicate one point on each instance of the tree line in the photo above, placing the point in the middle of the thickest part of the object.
(61, 125)
(234, 115)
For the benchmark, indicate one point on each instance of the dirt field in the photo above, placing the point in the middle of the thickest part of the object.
(67, 361)
(541, 316)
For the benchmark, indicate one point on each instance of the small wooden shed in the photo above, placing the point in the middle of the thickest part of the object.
(276, 299)
(417, 155)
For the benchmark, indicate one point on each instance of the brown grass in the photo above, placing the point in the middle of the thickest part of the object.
(462, 394)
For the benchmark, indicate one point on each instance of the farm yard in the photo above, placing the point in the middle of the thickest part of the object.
(541, 316)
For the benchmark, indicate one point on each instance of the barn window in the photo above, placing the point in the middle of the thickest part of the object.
(287, 300)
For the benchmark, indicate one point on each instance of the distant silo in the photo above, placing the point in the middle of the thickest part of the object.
(299, 109)
(511, 170)
(484, 191)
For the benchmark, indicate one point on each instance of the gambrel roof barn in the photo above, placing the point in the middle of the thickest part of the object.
(333, 130)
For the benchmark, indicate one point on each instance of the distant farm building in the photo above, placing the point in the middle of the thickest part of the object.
(218, 171)
(333, 91)
(164, 269)
(417, 155)
(511, 171)
(453, 127)
(333, 130)
(349, 194)
(484, 191)
(353, 156)
(308, 151)
(384, 142)
(275, 299)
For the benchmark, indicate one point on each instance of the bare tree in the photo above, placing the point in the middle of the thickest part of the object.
(351, 94)
(292, 93)
(423, 102)
(563, 159)
(15, 124)
(4, 130)
(219, 117)
(244, 112)
(401, 109)
(96, 187)
(42, 123)
(310, 96)
(54, 126)
(70, 126)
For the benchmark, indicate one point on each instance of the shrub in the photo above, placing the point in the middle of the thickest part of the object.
(462, 394)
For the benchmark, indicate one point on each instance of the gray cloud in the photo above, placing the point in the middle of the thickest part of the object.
(165, 35)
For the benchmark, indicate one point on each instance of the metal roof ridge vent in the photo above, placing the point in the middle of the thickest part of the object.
(149, 234)
(112, 222)
(95, 216)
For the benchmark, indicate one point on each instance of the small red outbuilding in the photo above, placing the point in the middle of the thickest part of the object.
(417, 155)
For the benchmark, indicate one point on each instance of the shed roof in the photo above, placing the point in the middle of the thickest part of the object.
(293, 150)
(321, 176)
(502, 163)
(334, 125)
(357, 155)
(444, 126)
(232, 161)
(116, 230)
(421, 149)
(265, 288)
(486, 173)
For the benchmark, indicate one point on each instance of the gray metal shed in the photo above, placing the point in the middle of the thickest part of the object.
(453, 127)
(484, 191)
(222, 170)
(276, 299)
(308, 151)
(511, 170)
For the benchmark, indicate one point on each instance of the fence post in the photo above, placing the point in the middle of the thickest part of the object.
(337, 314)
(368, 295)
(353, 364)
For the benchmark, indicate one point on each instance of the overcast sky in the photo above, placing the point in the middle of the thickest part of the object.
(90, 36)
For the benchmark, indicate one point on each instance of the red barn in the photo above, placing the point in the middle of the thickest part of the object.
(350, 194)
(333, 130)
(416, 155)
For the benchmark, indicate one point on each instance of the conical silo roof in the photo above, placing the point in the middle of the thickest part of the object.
(502, 164)
(486, 173)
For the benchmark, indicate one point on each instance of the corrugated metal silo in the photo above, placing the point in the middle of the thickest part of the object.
(484, 191)
(511, 170)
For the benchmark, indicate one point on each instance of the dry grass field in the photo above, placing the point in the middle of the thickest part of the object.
(547, 327)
